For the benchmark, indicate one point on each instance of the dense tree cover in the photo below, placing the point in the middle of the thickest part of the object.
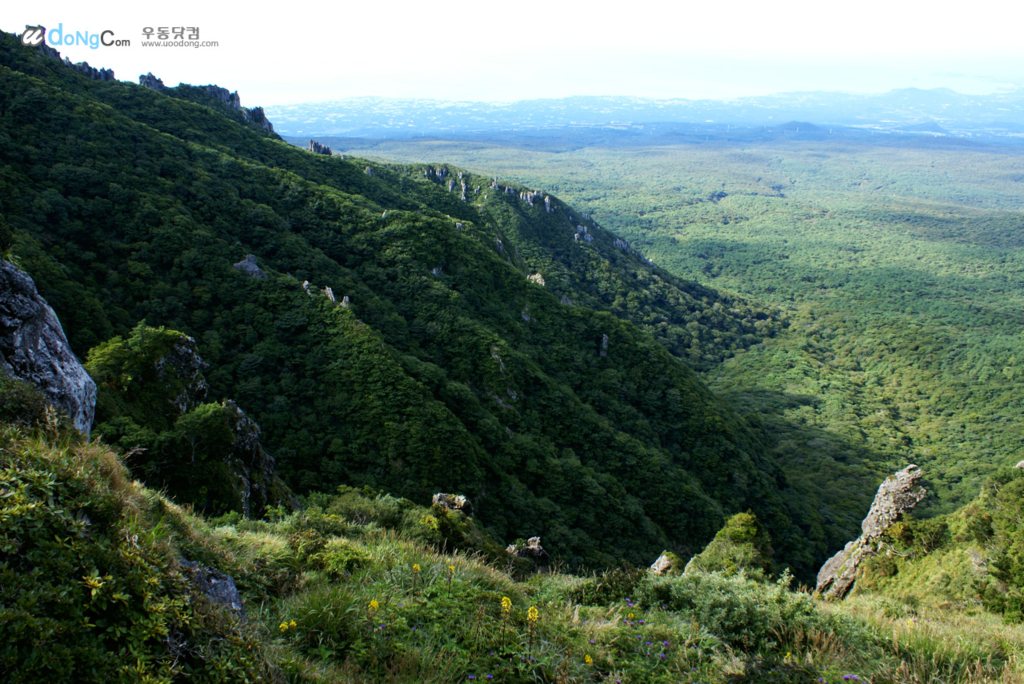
(898, 268)
(447, 369)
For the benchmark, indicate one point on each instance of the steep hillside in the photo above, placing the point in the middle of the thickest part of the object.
(387, 332)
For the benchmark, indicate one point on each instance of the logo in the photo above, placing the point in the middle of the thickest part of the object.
(33, 36)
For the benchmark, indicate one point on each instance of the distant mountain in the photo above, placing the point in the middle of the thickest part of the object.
(987, 116)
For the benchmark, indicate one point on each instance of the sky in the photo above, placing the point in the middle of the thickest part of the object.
(303, 51)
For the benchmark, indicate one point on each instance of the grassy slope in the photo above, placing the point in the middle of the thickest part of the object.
(354, 590)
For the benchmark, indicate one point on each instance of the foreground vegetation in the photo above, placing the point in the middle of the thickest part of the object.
(365, 587)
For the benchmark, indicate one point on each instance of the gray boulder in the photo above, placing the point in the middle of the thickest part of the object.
(33, 348)
(215, 586)
(899, 494)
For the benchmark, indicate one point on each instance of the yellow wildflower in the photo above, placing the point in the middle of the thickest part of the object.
(506, 604)
(451, 569)
(374, 606)
(292, 624)
(283, 626)
(532, 614)
(588, 660)
(416, 568)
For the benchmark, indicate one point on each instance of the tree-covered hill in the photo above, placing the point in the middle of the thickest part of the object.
(401, 338)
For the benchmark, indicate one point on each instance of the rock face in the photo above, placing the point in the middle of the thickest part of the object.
(897, 495)
(92, 72)
(152, 82)
(216, 586)
(230, 99)
(256, 116)
(33, 348)
(249, 267)
(182, 367)
(252, 468)
(81, 67)
(453, 502)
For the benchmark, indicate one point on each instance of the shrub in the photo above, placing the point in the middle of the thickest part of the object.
(741, 546)
(20, 402)
(610, 586)
(744, 612)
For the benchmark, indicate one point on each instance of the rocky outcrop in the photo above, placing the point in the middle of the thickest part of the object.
(249, 267)
(256, 116)
(152, 82)
(224, 96)
(91, 72)
(319, 148)
(368, 171)
(604, 345)
(436, 174)
(897, 495)
(536, 278)
(215, 586)
(33, 348)
(1020, 465)
(252, 468)
(547, 204)
(453, 502)
(81, 67)
(529, 195)
(667, 563)
(182, 369)
(532, 550)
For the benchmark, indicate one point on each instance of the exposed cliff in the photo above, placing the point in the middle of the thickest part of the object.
(33, 348)
(899, 494)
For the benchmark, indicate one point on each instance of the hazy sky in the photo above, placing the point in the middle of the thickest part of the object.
(303, 51)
